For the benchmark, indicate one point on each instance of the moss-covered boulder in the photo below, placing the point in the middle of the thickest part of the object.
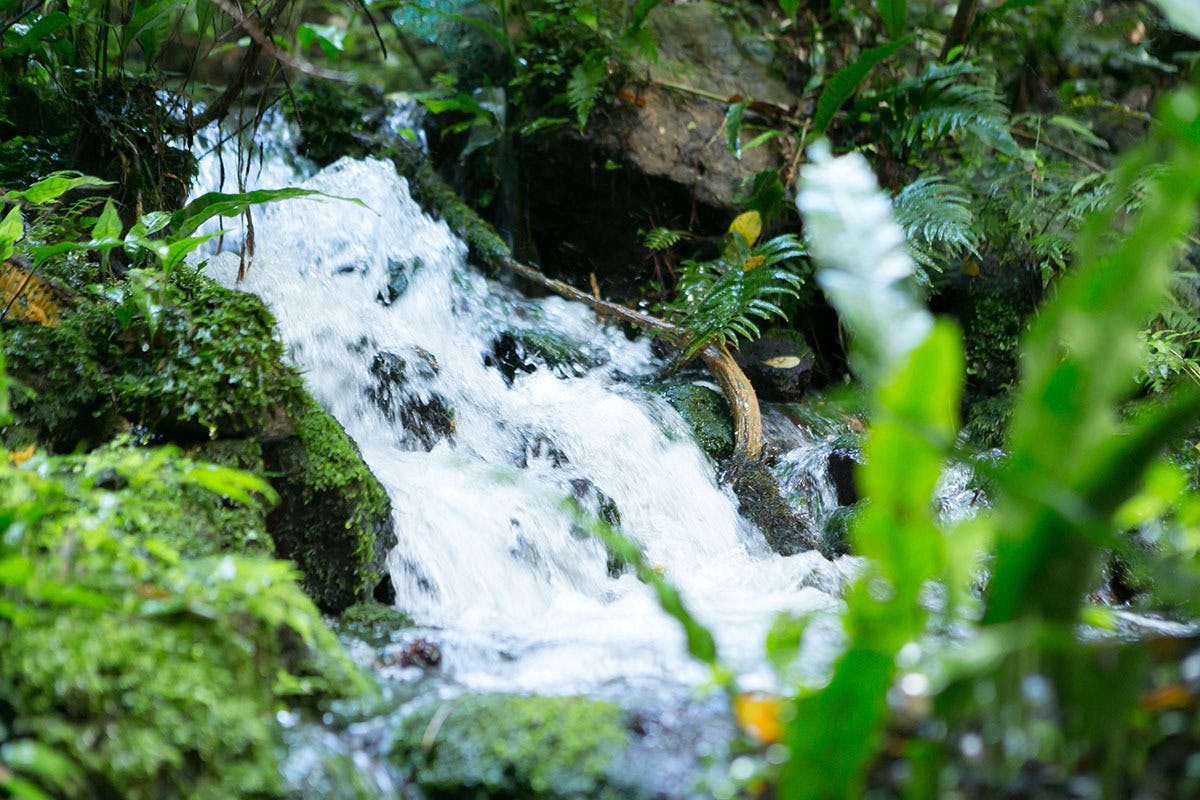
(706, 413)
(181, 359)
(148, 673)
(512, 746)
(333, 519)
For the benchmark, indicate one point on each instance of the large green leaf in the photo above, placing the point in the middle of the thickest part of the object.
(1080, 359)
(842, 85)
(185, 221)
(55, 185)
(895, 16)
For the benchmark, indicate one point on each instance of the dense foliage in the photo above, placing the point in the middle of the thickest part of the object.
(1030, 169)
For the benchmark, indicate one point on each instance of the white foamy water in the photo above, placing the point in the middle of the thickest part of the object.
(487, 556)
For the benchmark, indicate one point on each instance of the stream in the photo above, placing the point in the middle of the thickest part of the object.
(482, 411)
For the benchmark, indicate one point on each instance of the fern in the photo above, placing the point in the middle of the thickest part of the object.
(943, 100)
(720, 300)
(937, 219)
(587, 79)
(662, 238)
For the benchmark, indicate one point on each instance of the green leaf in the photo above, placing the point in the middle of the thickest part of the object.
(1073, 459)
(12, 228)
(55, 186)
(789, 8)
(108, 226)
(895, 16)
(733, 127)
(185, 221)
(842, 85)
(244, 487)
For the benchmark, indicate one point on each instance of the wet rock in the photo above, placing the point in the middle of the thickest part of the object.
(540, 447)
(706, 413)
(779, 365)
(760, 501)
(843, 461)
(835, 532)
(514, 352)
(604, 508)
(398, 278)
(508, 357)
(419, 653)
(427, 418)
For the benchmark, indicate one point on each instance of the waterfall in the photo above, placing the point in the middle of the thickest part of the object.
(481, 411)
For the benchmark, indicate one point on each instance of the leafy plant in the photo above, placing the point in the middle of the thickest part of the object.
(1070, 467)
(938, 221)
(719, 301)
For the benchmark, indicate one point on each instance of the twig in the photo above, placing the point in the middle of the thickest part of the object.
(1061, 148)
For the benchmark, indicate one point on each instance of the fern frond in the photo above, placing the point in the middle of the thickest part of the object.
(943, 100)
(720, 301)
(583, 88)
(937, 219)
(662, 238)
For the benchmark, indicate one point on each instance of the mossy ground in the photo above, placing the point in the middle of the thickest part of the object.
(511, 746)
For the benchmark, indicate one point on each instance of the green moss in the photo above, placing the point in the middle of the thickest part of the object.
(204, 364)
(153, 674)
(334, 519)
(508, 746)
(760, 500)
(707, 413)
(159, 499)
(373, 622)
(335, 120)
(206, 361)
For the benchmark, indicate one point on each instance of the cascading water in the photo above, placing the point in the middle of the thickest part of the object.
(395, 335)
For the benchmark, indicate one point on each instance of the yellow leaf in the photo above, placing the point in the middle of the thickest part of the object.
(749, 225)
(19, 457)
(29, 297)
(752, 262)
(758, 715)
(970, 268)
(782, 362)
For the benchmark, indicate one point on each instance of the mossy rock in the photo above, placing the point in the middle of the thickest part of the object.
(148, 673)
(438, 199)
(336, 121)
(209, 364)
(761, 502)
(334, 519)
(207, 373)
(512, 746)
(372, 622)
(706, 413)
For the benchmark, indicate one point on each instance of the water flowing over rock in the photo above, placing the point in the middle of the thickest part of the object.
(487, 552)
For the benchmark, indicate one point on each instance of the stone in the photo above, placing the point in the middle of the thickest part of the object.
(779, 365)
